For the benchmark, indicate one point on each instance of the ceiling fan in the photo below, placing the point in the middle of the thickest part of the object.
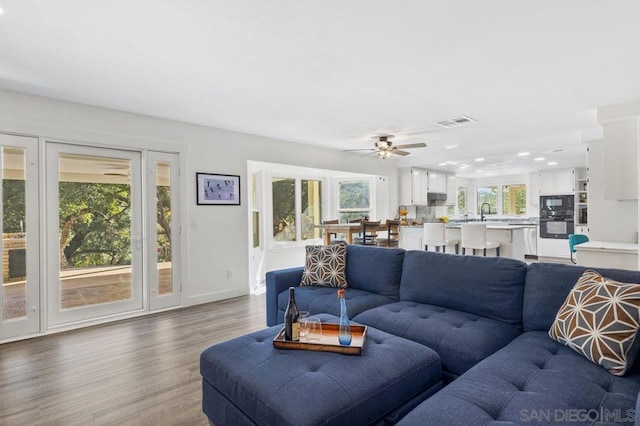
(384, 148)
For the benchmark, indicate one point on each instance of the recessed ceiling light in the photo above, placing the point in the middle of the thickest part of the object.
(451, 146)
(464, 166)
(479, 159)
(479, 171)
(538, 159)
(552, 163)
(523, 154)
(442, 164)
(453, 163)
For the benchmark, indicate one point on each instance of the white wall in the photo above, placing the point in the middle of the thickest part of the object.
(221, 241)
(609, 220)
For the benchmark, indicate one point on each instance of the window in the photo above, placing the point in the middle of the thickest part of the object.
(284, 209)
(460, 206)
(354, 199)
(311, 208)
(487, 194)
(514, 199)
(297, 208)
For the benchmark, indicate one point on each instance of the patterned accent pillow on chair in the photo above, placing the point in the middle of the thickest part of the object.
(600, 320)
(325, 266)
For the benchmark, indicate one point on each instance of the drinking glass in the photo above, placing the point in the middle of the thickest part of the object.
(302, 319)
(315, 328)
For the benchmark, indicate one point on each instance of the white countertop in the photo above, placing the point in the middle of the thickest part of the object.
(607, 246)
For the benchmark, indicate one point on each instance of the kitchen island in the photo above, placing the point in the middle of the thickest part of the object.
(512, 238)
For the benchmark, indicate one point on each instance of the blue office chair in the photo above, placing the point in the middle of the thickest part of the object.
(574, 240)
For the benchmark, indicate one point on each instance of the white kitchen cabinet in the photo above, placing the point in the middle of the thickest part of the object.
(621, 139)
(452, 190)
(581, 229)
(549, 247)
(437, 182)
(558, 181)
(416, 183)
(533, 195)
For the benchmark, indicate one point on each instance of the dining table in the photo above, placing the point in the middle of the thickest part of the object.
(348, 229)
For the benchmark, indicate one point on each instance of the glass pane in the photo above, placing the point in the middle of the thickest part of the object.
(346, 217)
(95, 230)
(311, 208)
(284, 209)
(14, 237)
(163, 215)
(514, 199)
(462, 200)
(488, 194)
(354, 195)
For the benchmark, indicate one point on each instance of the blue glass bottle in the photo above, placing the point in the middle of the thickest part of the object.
(344, 331)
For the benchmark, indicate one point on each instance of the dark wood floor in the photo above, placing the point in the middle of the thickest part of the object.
(143, 371)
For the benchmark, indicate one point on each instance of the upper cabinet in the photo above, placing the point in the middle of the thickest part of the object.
(416, 184)
(559, 181)
(621, 159)
(437, 182)
(621, 134)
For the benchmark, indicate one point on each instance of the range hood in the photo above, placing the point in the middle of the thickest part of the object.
(436, 196)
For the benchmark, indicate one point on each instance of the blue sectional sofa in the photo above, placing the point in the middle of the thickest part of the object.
(488, 320)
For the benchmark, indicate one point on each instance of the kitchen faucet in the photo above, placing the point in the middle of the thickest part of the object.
(482, 219)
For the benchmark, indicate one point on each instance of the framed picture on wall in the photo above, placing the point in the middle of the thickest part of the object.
(214, 189)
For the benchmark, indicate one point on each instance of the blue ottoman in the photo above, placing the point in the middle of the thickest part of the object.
(246, 381)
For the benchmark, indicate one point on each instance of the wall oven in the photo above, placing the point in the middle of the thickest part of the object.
(556, 216)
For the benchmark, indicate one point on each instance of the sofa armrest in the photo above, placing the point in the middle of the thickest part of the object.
(277, 282)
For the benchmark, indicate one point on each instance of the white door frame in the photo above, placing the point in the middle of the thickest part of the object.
(156, 300)
(55, 315)
(29, 324)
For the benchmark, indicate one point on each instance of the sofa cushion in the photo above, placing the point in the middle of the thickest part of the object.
(325, 265)
(546, 288)
(532, 380)
(461, 339)
(317, 300)
(486, 286)
(599, 320)
(375, 269)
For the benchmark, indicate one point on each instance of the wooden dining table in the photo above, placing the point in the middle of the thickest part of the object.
(348, 229)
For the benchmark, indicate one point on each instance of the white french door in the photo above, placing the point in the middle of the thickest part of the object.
(19, 288)
(163, 225)
(94, 242)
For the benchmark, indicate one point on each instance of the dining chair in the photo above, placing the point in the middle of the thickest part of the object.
(333, 236)
(435, 235)
(393, 234)
(474, 236)
(368, 232)
(574, 240)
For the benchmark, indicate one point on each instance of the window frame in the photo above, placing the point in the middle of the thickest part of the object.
(371, 210)
(298, 178)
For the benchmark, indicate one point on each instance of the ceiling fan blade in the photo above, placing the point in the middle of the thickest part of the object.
(373, 151)
(412, 145)
(355, 150)
(398, 152)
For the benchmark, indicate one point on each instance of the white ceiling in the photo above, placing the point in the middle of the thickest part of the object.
(335, 73)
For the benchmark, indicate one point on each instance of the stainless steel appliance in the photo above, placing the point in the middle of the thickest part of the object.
(556, 216)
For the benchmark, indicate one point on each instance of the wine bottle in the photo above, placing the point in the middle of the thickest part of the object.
(291, 323)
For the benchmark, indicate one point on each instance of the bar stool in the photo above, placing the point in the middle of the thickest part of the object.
(474, 236)
(434, 235)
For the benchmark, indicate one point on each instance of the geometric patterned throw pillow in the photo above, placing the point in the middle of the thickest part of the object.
(600, 320)
(325, 266)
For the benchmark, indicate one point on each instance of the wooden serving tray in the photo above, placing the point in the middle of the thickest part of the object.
(328, 340)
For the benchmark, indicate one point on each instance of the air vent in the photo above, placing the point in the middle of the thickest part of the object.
(456, 122)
